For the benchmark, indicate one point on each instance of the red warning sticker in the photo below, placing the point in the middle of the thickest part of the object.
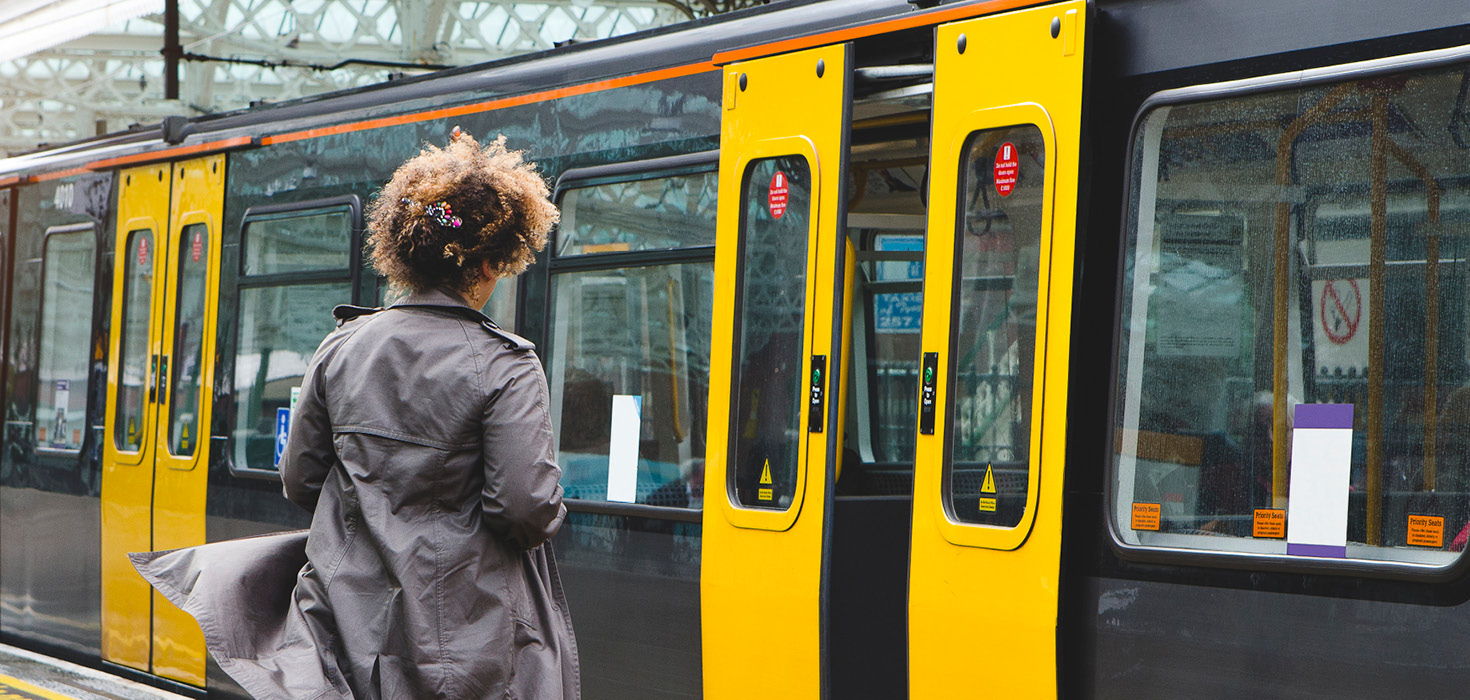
(1007, 164)
(196, 247)
(776, 196)
(142, 251)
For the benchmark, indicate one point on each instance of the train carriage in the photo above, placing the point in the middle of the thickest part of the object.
(997, 348)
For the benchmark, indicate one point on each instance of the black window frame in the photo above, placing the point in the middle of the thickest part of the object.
(1223, 559)
(577, 178)
(352, 276)
(86, 226)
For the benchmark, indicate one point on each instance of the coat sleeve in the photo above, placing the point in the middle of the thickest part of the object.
(309, 453)
(522, 497)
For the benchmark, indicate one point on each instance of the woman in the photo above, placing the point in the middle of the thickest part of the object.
(422, 446)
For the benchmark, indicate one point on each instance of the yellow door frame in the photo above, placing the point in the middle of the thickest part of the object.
(127, 476)
(761, 569)
(981, 594)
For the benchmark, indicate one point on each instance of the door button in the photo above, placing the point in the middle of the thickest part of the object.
(927, 392)
(816, 409)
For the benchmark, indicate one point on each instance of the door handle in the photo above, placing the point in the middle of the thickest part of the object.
(163, 379)
(153, 383)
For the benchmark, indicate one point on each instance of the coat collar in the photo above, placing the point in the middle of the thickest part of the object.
(444, 299)
(432, 297)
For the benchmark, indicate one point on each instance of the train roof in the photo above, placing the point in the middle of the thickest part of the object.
(683, 49)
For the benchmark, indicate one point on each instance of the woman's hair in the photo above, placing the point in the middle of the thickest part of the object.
(448, 209)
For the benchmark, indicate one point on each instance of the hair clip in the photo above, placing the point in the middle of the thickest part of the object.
(440, 212)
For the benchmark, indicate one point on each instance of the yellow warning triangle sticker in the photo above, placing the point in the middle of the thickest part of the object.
(989, 485)
(185, 433)
(766, 472)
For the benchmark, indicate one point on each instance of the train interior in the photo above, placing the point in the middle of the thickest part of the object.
(886, 217)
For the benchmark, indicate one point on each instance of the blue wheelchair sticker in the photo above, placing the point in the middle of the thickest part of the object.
(283, 426)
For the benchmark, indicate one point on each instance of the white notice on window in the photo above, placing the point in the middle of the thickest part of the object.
(1321, 461)
(622, 448)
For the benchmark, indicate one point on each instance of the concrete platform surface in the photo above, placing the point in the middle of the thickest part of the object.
(26, 675)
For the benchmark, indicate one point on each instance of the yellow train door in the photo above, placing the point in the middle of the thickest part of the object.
(987, 516)
(776, 347)
(160, 374)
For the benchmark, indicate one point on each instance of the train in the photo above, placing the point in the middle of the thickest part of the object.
(984, 348)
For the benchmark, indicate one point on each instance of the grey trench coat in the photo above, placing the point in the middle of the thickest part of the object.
(422, 445)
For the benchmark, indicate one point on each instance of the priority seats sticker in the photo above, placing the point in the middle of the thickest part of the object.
(1146, 516)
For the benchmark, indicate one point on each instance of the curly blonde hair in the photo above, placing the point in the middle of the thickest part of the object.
(447, 210)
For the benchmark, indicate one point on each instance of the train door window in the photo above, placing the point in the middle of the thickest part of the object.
(297, 262)
(133, 365)
(998, 262)
(1294, 374)
(770, 393)
(629, 350)
(69, 271)
(192, 251)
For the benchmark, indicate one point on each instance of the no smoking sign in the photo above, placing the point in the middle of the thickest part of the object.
(1341, 310)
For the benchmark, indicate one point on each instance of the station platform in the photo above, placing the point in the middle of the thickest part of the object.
(26, 675)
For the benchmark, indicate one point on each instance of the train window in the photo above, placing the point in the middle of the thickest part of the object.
(501, 306)
(630, 358)
(134, 373)
(298, 241)
(69, 270)
(629, 350)
(998, 269)
(673, 211)
(769, 389)
(296, 266)
(1294, 373)
(188, 351)
(280, 329)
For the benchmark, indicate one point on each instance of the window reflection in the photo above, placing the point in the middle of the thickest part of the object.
(66, 339)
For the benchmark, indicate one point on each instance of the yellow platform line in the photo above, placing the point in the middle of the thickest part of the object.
(16, 689)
